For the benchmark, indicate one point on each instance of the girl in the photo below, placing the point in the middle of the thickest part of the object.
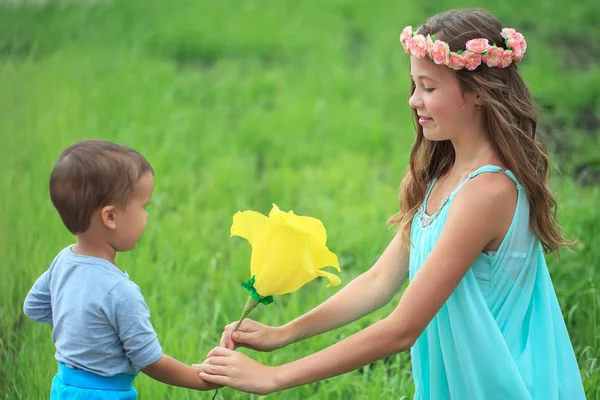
(480, 314)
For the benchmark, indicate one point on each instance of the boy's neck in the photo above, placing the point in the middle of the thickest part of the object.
(94, 248)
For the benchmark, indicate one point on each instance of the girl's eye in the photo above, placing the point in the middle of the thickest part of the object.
(428, 90)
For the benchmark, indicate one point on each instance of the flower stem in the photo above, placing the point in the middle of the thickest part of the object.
(250, 305)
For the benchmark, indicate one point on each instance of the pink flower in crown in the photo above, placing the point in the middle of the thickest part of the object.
(516, 42)
(429, 45)
(493, 56)
(472, 60)
(508, 33)
(478, 45)
(440, 52)
(418, 46)
(506, 58)
(405, 37)
(456, 61)
(519, 56)
(518, 46)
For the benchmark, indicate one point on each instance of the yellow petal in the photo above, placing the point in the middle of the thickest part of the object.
(288, 251)
(293, 259)
(255, 228)
(287, 265)
(308, 225)
(250, 225)
(322, 256)
(334, 280)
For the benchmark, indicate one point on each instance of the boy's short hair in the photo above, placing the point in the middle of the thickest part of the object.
(92, 174)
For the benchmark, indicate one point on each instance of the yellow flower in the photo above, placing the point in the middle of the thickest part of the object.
(288, 250)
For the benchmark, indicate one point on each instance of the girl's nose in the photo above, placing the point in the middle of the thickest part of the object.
(414, 101)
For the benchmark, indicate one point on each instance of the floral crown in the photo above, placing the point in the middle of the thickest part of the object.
(477, 51)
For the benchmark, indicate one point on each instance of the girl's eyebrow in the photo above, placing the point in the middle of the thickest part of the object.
(421, 77)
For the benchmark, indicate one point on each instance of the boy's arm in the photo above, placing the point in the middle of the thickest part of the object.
(37, 305)
(130, 316)
(176, 373)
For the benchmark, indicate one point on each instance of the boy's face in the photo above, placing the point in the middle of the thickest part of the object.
(131, 221)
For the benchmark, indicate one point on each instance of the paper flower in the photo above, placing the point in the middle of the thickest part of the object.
(288, 251)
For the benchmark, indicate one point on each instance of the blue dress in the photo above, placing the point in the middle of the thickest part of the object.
(501, 334)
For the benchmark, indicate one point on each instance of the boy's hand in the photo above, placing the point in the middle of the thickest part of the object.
(173, 372)
(210, 386)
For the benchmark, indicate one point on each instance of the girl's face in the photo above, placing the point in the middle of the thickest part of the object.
(443, 108)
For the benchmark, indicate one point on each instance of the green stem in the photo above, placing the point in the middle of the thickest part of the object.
(250, 305)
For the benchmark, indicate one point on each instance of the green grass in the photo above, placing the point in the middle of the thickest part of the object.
(241, 104)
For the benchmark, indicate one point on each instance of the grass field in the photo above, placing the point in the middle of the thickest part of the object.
(239, 104)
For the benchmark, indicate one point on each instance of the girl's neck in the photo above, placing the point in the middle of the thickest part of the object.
(473, 152)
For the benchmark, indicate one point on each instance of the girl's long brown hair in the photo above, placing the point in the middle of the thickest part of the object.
(510, 113)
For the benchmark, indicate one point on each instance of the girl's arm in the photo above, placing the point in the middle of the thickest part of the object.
(364, 294)
(479, 215)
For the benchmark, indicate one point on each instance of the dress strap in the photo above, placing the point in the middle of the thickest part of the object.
(429, 190)
(481, 170)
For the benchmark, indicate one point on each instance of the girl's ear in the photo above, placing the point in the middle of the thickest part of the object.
(478, 101)
(474, 98)
(108, 217)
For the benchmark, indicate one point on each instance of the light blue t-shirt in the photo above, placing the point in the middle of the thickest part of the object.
(100, 320)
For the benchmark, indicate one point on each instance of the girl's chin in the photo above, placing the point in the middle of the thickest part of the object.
(433, 135)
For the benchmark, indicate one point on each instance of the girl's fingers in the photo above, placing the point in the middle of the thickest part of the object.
(220, 351)
(216, 379)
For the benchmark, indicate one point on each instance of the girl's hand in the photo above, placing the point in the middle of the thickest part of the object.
(253, 335)
(238, 371)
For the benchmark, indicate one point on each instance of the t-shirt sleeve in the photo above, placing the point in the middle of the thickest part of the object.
(38, 305)
(130, 316)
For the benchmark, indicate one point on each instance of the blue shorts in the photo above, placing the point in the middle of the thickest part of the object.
(74, 384)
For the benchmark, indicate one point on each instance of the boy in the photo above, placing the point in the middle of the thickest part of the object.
(101, 323)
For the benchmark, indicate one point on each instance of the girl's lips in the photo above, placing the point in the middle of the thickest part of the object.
(423, 120)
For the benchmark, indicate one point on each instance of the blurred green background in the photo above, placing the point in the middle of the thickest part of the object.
(239, 104)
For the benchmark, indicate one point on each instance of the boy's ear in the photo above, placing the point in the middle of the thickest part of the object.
(108, 217)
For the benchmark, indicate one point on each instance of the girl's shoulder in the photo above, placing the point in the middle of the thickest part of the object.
(490, 196)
